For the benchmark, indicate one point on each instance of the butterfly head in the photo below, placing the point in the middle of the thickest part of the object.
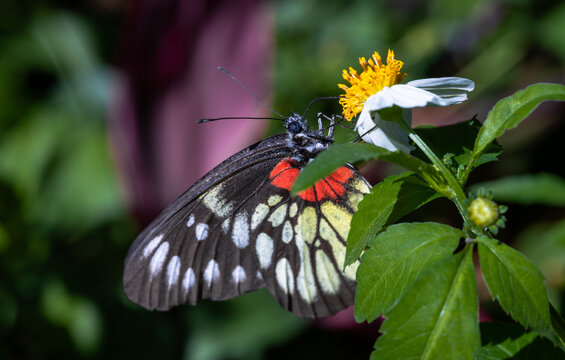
(295, 124)
(307, 143)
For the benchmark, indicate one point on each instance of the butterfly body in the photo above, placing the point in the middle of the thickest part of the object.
(238, 229)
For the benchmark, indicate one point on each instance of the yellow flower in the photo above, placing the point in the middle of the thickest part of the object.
(379, 87)
(374, 78)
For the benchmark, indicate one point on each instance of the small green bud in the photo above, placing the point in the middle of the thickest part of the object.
(483, 212)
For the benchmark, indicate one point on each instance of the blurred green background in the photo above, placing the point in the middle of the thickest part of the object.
(64, 226)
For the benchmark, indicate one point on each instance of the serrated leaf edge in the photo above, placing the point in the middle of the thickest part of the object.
(497, 298)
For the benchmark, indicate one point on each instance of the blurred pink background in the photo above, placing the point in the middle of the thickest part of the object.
(169, 54)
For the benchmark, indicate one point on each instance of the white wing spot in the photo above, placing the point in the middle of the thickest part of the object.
(158, 259)
(188, 279)
(305, 280)
(326, 272)
(351, 270)
(212, 272)
(293, 210)
(240, 230)
(264, 247)
(274, 200)
(337, 246)
(326, 232)
(152, 245)
(285, 277)
(259, 215)
(201, 231)
(338, 216)
(361, 185)
(226, 225)
(190, 221)
(278, 216)
(287, 232)
(354, 200)
(238, 274)
(173, 270)
(216, 203)
(307, 222)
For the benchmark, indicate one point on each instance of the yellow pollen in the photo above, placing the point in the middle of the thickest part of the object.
(374, 78)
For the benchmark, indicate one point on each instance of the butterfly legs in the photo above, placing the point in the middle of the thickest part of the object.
(333, 123)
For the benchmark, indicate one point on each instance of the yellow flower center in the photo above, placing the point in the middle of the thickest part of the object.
(374, 77)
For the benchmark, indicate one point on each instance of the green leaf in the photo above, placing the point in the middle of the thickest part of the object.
(510, 111)
(437, 317)
(543, 244)
(515, 282)
(557, 324)
(440, 140)
(502, 341)
(387, 202)
(510, 341)
(337, 155)
(395, 259)
(547, 189)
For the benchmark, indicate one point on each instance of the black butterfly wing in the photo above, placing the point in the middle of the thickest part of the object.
(189, 251)
(237, 229)
(301, 242)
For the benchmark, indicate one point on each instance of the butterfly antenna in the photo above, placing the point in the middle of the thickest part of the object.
(225, 71)
(360, 137)
(316, 99)
(236, 117)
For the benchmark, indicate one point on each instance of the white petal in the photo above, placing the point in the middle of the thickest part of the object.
(418, 93)
(408, 97)
(401, 95)
(381, 100)
(385, 134)
(443, 83)
(453, 90)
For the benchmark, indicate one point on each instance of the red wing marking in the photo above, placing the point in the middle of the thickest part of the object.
(286, 171)
(284, 174)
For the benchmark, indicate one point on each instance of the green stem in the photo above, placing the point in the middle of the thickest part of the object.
(456, 192)
(468, 167)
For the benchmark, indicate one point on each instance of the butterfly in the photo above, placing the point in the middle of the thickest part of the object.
(238, 229)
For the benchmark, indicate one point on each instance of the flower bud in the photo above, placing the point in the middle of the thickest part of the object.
(483, 212)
